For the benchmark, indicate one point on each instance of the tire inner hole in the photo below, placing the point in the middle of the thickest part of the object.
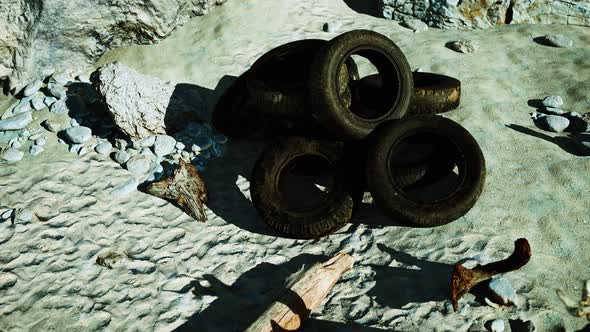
(306, 182)
(434, 164)
(374, 91)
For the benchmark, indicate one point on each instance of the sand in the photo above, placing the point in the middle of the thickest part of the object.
(535, 188)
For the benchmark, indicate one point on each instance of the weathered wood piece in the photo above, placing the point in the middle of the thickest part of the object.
(185, 188)
(464, 279)
(303, 296)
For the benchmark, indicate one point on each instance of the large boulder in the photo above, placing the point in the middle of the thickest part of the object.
(469, 14)
(142, 105)
(39, 36)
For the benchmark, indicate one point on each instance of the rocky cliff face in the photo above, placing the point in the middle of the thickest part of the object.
(40, 36)
(470, 14)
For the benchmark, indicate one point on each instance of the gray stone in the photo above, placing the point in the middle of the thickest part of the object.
(59, 107)
(497, 325)
(556, 123)
(78, 134)
(74, 123)
(553, 111)
(138, 164)
(143, 106)
(144, 142)
(180, 146)
(60, 78)
(24, 105)
(553, 101)
(502, 291)
(14, 143)
(415, 25)
(104, 148)
(32, 88)
(16, 122)
(38, 103)
(35, 150)
(465, 46)
(582, 141)
(7, 214)
(122, 156)
(125, 188)
(12, 155)
(57, 91)
(120, 143)
(558, 41)
(164, 145)
(331, 26)
(49, 100)
(52, 126)
(41, 141)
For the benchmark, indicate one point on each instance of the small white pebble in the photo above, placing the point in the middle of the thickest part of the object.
(7, 214)
(74, 123)
(41, 141)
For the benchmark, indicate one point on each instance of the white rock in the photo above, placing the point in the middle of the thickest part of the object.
(7, 280)
(125, 188)
(556, 123)
(14, 143)
(415, 25)
(57, 91)
(32, 88)
(59, 107)
(84, 78)
(180, 146)
(122, 156)
(60, 78)
(553, 101)
(74, 123)
(465, 46)
(24, 133)
(582, 141)
(202, 143)
(104, 148)
(7, 214)
(35, 150)
(12, 155)
(75, 148)
(164, 145)
(553, 110)
(497, 325)
(502, 291)
(82, 151)
(558, 40)
(138, 164)
(144, 142)
(38, 103)
(331, 26)
(16, 122)
(41, 141)
(78, 134)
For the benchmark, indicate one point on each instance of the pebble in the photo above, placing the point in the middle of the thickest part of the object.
(12, 155)
(556, 123)
(553, 110)
(185, 154)
(35, 150)
(125, 188)
(78, 134)
(164, 145)
(74, 123)
(75, 148)
(84, 78)
(23, 216)
(24, 105)
(138, 164)
(7, 280)
(553, 101)
(465, 46)
(180, 146)
(14, 143)
(145, 142)
(59, 107)
(32, 88)
(57, 91)
(7, 214)
(121, 156)
(497, 325)
(202, 143)
(16, 122)
(104, 148)
(49, 100)
(502, 291)
(24, 133)
(38, 103)
(415, 25)
(582, 141)
(558, 40)
(331, 26)
(41, 141)
(179, 285)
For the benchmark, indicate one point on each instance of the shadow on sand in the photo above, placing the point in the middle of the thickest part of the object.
(367, 7)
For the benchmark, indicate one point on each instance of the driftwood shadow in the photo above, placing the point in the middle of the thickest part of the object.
(565, 143)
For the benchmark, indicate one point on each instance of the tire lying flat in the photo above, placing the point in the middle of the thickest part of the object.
(434, 93)
(329, 104)
(335, 209)
(399, 203)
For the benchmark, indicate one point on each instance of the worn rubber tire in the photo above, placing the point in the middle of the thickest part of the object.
(434, 93)
(332, 214)
(327, 103)
(424, 172)
(390, 196)
(277, 81)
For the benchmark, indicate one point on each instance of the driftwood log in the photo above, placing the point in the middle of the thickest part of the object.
(464, 279)
(185, 188)
(289, 311)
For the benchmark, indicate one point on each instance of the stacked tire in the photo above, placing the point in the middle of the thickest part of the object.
(378, 133)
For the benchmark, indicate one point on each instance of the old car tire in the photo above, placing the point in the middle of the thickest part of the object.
(389, 195)
(328, 104)
(310, 222)
(434, 93)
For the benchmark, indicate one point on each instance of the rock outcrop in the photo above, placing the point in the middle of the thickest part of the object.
(470, 14)
(40, 36)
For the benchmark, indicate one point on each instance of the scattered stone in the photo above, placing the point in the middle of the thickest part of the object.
(23, 216)
(465, 46)
(12, 155)
(78, 134)
(552, 110)
(502, 291)
(556, 123)
(125, 188)
(180, 146)
(41, 141)
(57, 91)
(553, 101)
(7, 280)
(59, 107)
(415, 25)
(120, 143)
(104, 148)
(558, 40)
(145, 142)
(202, 143)
(122, 156)
(185, 154)
(32, 88)
(331, 26)
(582, 141)
(14, 143)
(35, 150)
(38, 103)
(60, 78)
(179, 285)
(49, 100)
(138, 164)
(164, 145)
(75, 148)
(497, 325)
(7, 214)
(51, 126)
(84, 78)
(74, 123)
(16, 122)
